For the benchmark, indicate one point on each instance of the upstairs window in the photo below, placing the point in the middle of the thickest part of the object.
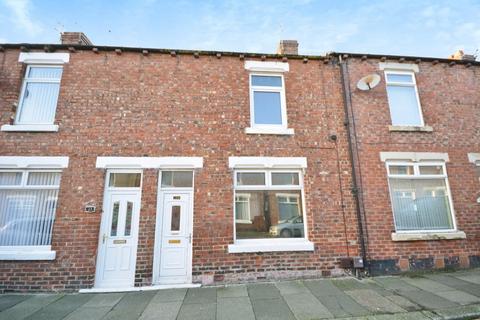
(267, 101)
(403, 100)
(38, 99)
(420, 196)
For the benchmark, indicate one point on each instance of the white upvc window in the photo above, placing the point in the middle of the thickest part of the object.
(39, 93)
(28, 201)
(268, 107)
(38, 99)
(403, 98)
(475, 159)
(267, 101)
(420, 196)
(269, 211)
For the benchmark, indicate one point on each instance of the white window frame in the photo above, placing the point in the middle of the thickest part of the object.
(403, 84)
(475, 159)
(41, 127)
(28, 252)
(247, 201)
(268, 68)
(417, 175)
(283, 103)
(270, 245)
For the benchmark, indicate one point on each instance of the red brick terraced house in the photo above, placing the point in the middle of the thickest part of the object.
(133, 167)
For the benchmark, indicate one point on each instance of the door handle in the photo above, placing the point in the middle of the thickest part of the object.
(104, 237)
(190, 238)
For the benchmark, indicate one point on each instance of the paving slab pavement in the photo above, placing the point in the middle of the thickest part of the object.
(456, 283)
(10, 300)
(28, 306)
(131, 306)
(235, 308)
(374, 302)
(428, 296)
(60, 308)
(449, 293)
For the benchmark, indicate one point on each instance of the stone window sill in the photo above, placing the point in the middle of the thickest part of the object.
(278, 131)
(30, 127)
(270, 246)
(27, 253)
(410, 129)
(426, 236)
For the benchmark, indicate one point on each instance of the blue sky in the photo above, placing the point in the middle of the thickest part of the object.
(421, 28)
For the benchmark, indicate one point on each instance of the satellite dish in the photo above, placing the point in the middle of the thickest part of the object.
(368, 82)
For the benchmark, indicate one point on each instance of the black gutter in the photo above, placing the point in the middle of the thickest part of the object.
(353, 152)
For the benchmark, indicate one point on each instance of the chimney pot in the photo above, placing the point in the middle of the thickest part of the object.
(289, 47)
(75, 38)
(460, 55)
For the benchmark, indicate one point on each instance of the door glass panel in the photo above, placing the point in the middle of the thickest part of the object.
(177, 179)
(175, 222)
(128, 218)
(125, 180)
(116, 208)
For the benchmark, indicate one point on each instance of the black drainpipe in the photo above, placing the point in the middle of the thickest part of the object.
(349, 124)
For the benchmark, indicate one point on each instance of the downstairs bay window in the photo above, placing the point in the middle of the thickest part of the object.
(269, 212)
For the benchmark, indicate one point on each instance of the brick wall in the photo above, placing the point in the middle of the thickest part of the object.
(449, 97)
(159, 105)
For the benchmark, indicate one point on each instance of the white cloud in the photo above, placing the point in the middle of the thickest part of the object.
(20, 16)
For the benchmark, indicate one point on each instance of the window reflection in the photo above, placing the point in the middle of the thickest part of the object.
(268, 214)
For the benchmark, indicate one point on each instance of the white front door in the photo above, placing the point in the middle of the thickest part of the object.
(117, 249)
(176, 238)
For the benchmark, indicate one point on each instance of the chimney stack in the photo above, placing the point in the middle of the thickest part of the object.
(288, 47)
(460, 55)
(75, 38)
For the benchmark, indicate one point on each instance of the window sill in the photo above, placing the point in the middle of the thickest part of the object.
(271, 246)
(30, 127)
(426, 236)
(27, 253)
(279, 131)
(410, 129)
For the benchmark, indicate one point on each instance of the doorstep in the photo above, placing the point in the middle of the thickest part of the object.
(144, 288)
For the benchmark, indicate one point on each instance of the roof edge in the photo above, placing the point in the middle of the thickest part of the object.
(52, 47)
(406, 58)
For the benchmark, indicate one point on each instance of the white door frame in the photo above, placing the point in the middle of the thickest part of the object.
(105, 219)
(159, 225)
